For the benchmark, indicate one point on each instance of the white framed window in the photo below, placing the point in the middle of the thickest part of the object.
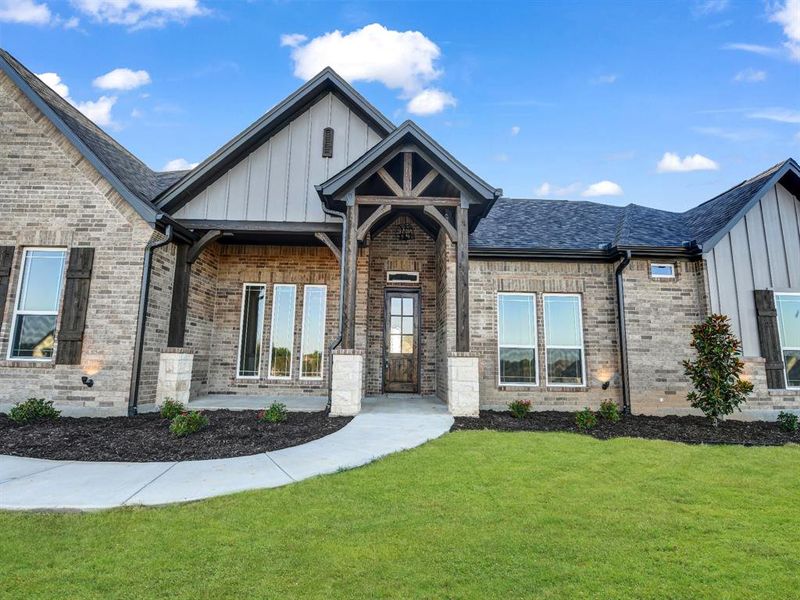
(312, 342)
(402, 277)
(788, 308)
(662, 270)
(281, 339)
(563, 340)
(517, 362)
(33, 325)
(251, 331)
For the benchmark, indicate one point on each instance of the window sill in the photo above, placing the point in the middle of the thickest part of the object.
(27, 364)
(542, 389)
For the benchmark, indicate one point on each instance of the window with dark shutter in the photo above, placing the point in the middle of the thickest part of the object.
(76, 301)
(327, 142)
(769, 339)
(6, 260)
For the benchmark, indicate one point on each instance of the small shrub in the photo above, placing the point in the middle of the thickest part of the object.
(716, 374)
(585, 419)
(276, 413)
(33, 409)
(171, 409)
(609, 410)
(188, 423)
(519, 408)
(788, 421)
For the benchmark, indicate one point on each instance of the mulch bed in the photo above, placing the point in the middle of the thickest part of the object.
(689, 430)
(146, 437)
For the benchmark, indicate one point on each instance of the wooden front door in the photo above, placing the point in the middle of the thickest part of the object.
(401, 342)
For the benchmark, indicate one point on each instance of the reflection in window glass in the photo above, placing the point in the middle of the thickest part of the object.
(34, 324)
(516, 326)
(563, 338)
(313, 341)
(788, 306)
(282, 332)
(251, 330)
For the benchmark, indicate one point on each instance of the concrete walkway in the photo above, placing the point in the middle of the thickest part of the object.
(385, 425)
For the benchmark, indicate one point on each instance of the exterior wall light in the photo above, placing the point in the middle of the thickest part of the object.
(87, 382)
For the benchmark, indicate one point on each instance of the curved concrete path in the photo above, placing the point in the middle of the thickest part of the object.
(383, 427)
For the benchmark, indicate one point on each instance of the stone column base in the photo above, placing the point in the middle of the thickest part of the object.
(347, 382)
(463, 388)
(174, 375)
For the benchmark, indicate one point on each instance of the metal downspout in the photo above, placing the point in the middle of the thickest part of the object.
(133, 396)
(338, 340)
(623, 337)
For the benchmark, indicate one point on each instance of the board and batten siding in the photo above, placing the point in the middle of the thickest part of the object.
(276, 181)
(762, 251)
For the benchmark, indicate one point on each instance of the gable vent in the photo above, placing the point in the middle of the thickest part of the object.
(327, 142)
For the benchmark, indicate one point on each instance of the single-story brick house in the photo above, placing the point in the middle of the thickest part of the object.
(325, 251)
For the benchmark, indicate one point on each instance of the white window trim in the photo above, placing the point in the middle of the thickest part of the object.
(18, 297)
(263, 286)
(780, 337)
(390, 273)
(670, 265)
(272, 331)
(582, 347)
(535, 382)
(306, 289)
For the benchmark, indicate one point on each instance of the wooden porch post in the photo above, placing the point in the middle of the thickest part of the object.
(462, 278)
(180, 298)
(349, 291)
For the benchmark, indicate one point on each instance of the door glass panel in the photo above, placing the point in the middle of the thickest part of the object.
(408, 306)
(395, 325)
(408, 344)
(396, 308)
(408, 325)
(394, 344)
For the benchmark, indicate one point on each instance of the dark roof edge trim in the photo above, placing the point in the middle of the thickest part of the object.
(145, 210)
(787, 166)
(606, 254)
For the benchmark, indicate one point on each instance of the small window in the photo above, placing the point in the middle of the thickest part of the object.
(563, 337)
(312, 343)
(327, 142)
(516, 339)
(788, 307)
(662, 271)
(251, 330)
(282, 328)
(402, 277)
(33, 328)
(401, 325)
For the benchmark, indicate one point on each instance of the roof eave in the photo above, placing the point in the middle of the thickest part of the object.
(602, 254)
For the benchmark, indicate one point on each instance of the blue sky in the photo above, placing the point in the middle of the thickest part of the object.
(659, 103)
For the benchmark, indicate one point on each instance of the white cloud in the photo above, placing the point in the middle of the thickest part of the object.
(136, 113)
(788, 16)
(138, 14)
(709, 7)
(54, 81)
(752, 48)
(400, 60)
(548, 190)
(515, 130)
(179, 164)
(122, 79)
(750, 76)
(430, 102)
(24, 11)
(604, 79)
(602, 188)
(781, 115)
(672, 163)
(293, 40)
(98, 110)
(732, 135)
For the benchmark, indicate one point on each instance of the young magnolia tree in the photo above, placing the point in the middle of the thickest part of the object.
(716, 374)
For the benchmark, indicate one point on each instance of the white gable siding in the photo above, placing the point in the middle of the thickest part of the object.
(276, 181)
(762, 251)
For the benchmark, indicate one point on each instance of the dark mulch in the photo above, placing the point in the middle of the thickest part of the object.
(689, 430)
(146, 437)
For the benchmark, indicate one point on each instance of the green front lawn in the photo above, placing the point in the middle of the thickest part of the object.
(473, 514)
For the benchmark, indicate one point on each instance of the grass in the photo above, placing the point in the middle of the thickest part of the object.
(471, 515)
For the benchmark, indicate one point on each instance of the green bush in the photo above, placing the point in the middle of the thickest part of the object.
(585, 419)
(33, 409)
(609, 410)
(787, 421)
(187, 423)
(276, 413)
(519, 408)
(716, 374)
(171, 409)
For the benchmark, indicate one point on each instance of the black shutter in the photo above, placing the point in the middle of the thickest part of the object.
(76, 301)
(767, 318)
(6, 260)
(327, 142)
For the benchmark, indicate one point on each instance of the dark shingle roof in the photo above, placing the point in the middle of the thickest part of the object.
(137, 177)
(519, 224)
